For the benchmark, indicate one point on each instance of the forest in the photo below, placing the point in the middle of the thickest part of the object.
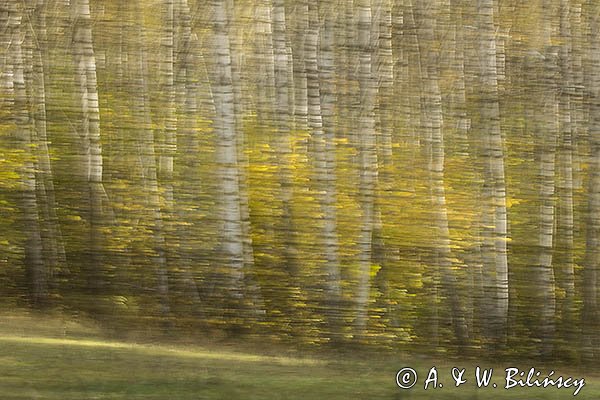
(418, 175)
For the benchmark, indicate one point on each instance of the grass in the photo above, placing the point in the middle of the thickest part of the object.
(40, 359)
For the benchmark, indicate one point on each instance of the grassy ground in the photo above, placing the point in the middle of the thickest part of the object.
(48, 358)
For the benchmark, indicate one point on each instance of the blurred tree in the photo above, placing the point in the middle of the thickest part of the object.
(368, 159)
(564, 261)
(91, 146)
(495, 227)
(36, 268)
(232, 240)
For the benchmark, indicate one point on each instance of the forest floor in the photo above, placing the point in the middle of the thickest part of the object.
(50, 358)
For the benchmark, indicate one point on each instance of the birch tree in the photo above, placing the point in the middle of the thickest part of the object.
(495, 242)
(150, 167)
(187, 75)
(368, 160)
(300, 30)
(37, 273)
(284, 95)
(326, 157)
(433, 127)
(35, 45)
(385, 78)
(232, 241)
(89, 132)
(548, 137)
(564, 260)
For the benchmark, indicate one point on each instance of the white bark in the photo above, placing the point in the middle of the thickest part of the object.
(433, 126)
(368, 161)
(283, 141)
(85, 64)
(496, 258)
(227, 153)
(326, 159)
(300, 68)
(548, 137)
(89, 132)
(264, 58)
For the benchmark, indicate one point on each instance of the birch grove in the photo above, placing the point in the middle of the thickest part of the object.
(323, 173)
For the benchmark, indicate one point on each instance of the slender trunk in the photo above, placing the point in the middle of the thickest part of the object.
(495, 257)
(344, 68)
(89, 131)
(264, 60)
(547, 139)
(320, 103)
(430, 132)
(579, 119)
(166, 154)
(368, 161)
(458, 130)
(187, 140)
(413, 99)
(300, 73)
(384, 111)
(283, 142)
(433, 125)
(252, 291)
(385, 84)
(230, 215)
(564, 261)
(326, 161)
(37, 274)
(142, 118)
(36, 41)
(458, 97)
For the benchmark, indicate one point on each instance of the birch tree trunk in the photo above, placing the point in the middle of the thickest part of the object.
(89, 132)
(385, 84)
(36, 270)
(149, 161)
(433, 125)
(300, 73)
(385, 126)
(413, 68)
(579, 118)
(547, 139)
(283, 146)
(345, 31)
(232, 241)
(264, 59)
(326, 161)
(564, 260)
(186, 77)
(320, 91)
(458, 100)
(368, 161)
(495, 250)
(36, 44)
